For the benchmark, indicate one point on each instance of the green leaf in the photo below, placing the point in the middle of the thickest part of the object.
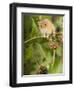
(57, 68)
(27, 26)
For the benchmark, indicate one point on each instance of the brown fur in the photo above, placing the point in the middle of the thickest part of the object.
(46, 27)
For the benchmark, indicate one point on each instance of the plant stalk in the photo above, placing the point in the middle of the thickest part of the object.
(53, 59)
(33, 39)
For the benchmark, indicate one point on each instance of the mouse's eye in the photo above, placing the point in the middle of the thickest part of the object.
(45, 24)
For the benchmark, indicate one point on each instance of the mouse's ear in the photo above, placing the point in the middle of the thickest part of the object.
(46, 20)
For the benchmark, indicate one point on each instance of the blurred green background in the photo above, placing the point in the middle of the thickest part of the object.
(38, 55)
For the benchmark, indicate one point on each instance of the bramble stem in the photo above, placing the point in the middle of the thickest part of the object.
(33, 39)
(53, 60)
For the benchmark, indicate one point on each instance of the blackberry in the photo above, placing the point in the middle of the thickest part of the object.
(43, 70)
